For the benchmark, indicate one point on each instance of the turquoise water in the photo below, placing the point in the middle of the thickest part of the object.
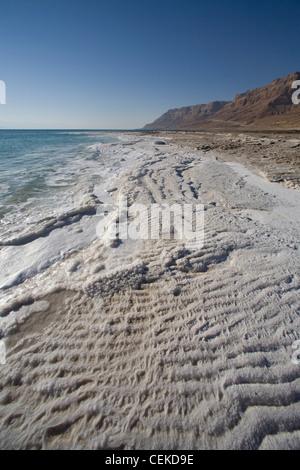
(28, 160)
(41, 172)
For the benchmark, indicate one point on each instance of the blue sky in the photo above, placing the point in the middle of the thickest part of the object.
(120, 64)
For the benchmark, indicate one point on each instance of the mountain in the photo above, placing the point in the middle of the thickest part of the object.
(186, 117)
(268, 107)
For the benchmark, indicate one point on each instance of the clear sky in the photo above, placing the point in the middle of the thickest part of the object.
(120, 64)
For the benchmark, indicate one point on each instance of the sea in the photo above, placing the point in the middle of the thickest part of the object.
(45, 177)
(42, 171)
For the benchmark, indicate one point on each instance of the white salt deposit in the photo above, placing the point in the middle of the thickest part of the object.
(155, 346)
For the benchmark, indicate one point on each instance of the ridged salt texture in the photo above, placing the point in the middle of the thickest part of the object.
(154, 346)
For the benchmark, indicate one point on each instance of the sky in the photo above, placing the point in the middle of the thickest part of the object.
(97, 64)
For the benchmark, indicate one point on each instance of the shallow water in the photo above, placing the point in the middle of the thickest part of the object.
(52, 190)
(41, 172)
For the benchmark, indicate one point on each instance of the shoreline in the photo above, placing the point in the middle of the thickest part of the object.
(150, 345)
(275, 154)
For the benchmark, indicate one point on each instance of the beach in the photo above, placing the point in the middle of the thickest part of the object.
(156, 343)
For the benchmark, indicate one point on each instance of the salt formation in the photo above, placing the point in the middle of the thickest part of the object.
(152, 345)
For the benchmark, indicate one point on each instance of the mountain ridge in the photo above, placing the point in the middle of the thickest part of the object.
(269, 106)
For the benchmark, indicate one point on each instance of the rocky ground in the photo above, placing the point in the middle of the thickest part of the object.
(275, 155)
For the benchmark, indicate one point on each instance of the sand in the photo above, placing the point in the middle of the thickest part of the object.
(150, 345)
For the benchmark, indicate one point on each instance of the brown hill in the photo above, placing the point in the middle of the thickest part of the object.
(268, 107)
(187, 116)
